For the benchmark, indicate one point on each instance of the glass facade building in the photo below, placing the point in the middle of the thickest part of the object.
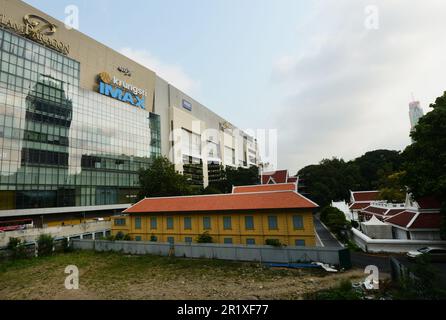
(62, 145)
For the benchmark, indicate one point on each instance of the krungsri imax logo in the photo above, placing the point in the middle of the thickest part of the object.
(120, 90)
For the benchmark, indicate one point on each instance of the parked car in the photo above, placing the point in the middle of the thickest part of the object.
(434, 254)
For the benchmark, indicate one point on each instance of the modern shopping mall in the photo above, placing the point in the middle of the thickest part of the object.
(78, 120)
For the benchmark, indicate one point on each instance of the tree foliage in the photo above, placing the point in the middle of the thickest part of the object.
(161, 180)
(332, 179)
(425, 158)
(234, 177)
(45, 244)
(335, 220)
(205, 237)
(392, 188)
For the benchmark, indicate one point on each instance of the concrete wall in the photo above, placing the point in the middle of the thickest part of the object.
(391, 245)
(30, 235)
(217, 251)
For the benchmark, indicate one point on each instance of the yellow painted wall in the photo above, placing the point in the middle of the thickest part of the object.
(285, 231)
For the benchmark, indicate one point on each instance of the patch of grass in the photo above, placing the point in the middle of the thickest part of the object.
(344, 291)
(112, 275)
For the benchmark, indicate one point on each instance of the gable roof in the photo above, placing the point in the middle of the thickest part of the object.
(359, 205)
(412, 220)
(360, 196)
(224, 202)
(265, 187)
(402, 219)
(279, 176)
(429, 203)
(383, 212)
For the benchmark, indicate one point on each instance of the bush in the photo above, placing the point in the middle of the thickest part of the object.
(17, 248)
(273, 242)
(66, 245)
(127, 237)
(120, 236)
(45, 244)
(204, 238)
(335, 220)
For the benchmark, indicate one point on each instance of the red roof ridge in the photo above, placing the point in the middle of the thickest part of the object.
(230, 201)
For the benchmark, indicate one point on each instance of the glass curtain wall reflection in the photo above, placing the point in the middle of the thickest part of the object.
(61, 145)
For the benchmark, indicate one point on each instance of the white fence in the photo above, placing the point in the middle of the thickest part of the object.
(269, 254)
(391, 245)
(90, 229)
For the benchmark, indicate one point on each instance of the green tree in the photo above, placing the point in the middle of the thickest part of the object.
(234, 177)
(392, 189)
(425, 158)
(161, 180)
(332, 179)
(335, 220)
(204, 238)
(45, 244)
(17, 248)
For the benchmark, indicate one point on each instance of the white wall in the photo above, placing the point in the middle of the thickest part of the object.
(395, 246)
(30, 235)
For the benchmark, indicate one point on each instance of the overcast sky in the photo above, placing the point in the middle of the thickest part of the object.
(333, 77)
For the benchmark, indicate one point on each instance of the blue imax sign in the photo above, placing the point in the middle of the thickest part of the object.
(117, 93)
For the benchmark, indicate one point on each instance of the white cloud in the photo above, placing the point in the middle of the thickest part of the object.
(348, 88)
(174, 74)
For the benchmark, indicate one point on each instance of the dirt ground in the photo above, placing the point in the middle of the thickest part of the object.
(115, 276)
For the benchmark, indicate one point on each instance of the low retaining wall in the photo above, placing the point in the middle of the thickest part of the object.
(333, 256)
(391, 245)
(30, 235)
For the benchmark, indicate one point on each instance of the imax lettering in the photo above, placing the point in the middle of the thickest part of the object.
(117, 93)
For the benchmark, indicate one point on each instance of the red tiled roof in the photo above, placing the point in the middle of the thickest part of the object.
(402, 219)
(375, 210)
(365, 196)
(279, 176)
(292, 179)
(265, 187)
(357, 206)
(393, 212)
(427, 221)
(223, 202)
(429, 202)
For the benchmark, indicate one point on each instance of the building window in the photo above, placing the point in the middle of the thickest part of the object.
(272, 222)
(190, 143)
(250, 241)
(153, 238)
(227, 240)
(153, 223)
(188, 239)
(138, 223)
(249, 223)
(170, 223)
(187, 223)
(227, 223)
(298, 222)
(171, 240)
(229, 156)
(206, 223)
(119, 222)
(300, 243)
(137, 238)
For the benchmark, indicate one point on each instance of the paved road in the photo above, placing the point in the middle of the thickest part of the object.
(327, 239)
